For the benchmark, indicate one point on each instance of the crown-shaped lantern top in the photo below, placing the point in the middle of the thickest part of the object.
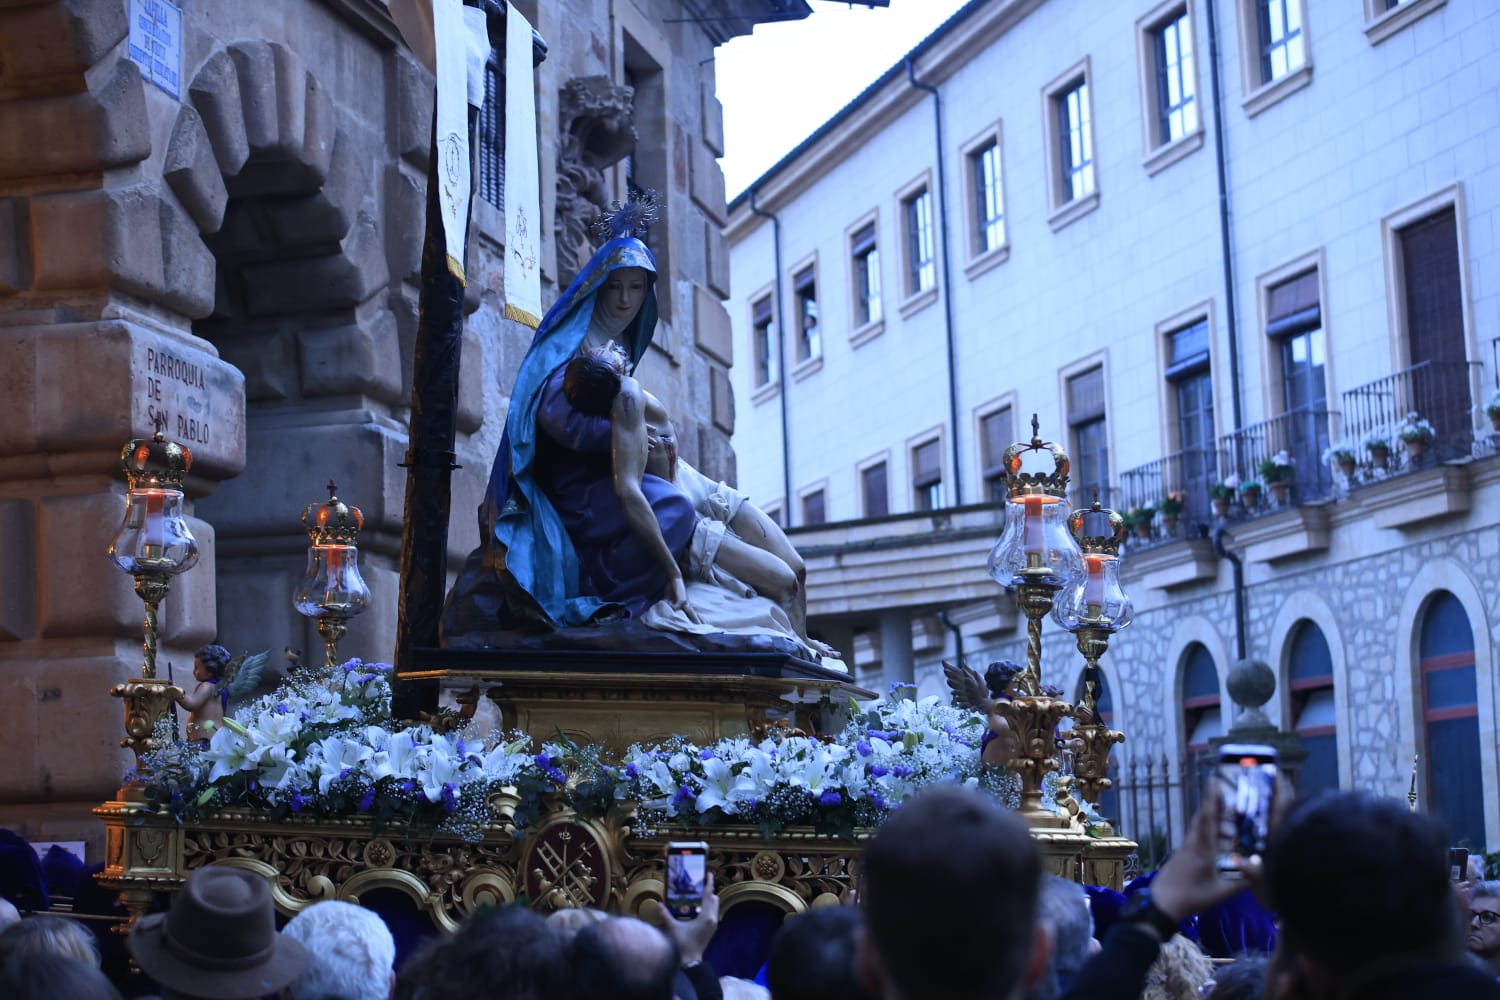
(155, 463)
(333, 522)
(1097, 529)
(1041, 482)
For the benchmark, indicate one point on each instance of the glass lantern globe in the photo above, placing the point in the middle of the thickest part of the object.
(1096, 599)
(155, 537)
(1035, 546)
(332, 584)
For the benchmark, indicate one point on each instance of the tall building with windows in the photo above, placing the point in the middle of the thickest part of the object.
(1242, 259)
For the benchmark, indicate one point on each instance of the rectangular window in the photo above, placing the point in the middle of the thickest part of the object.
(865, 266)
(872, 488)
(927, 475)
(1190, 382)
(1076, 142)
(1433, 292)
(763, 325)
(989, 213)
(809, 341)
(492, 137)
(997, 432)
(921, 268)
(813, 509)
(1176, 103)
(1282, 46)
(1087, 421)
(1294, 321)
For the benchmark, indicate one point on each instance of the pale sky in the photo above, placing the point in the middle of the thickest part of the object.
(780, 83)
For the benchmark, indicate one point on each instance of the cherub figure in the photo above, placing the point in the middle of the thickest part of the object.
(984, 696)
(205, 704)
(219, 678)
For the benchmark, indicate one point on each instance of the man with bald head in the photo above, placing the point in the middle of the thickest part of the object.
(624, 958)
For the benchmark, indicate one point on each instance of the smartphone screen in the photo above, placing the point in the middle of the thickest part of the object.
(687, 864)
(1245, 781)
(1458, 864)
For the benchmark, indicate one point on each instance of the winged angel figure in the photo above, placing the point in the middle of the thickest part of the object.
(220, 679)
(983, 695)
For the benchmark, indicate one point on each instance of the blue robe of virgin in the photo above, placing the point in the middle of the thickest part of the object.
(521, 530)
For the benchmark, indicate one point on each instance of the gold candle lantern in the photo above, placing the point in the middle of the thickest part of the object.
(332, 589)
(153, 545)
(1093, 609)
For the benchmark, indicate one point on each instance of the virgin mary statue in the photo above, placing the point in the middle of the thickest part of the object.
(554, 548)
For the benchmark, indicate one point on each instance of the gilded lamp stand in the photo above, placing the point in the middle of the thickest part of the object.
(1064, 563)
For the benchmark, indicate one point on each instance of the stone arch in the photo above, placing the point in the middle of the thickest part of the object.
(1443, 574)
(286, 207)
(282, 186)
(1311, 606)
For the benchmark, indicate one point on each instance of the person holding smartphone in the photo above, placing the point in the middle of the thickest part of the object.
(1361, 887)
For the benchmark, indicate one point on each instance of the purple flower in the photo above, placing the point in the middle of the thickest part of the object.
(408, 786)
(298, 800)
(282, 708)
(877, 801)
(684, 795)
(450, 796)
(631, 771)
(830, 798)
(902, 771)
(368, 801)
(864, 748)
(706, 755)
(879, 770)
(345, 773)
(544, 764)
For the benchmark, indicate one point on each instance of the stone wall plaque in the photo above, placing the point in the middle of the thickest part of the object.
(156, 43)
(196, 399)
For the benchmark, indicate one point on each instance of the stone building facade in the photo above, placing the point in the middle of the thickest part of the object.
(1024, 216)
(215, 211)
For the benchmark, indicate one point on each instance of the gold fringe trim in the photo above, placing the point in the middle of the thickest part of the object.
(520, 315)
(456, 268)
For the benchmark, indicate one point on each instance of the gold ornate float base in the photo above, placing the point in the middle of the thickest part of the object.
(563, 861)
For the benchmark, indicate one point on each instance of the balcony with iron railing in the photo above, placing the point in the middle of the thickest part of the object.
(1422, 418)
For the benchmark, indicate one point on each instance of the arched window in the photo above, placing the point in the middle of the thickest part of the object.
(1201, 720)
(1450, 716)
(1310, 681)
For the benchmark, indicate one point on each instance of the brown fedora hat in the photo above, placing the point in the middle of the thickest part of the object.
(218, 940)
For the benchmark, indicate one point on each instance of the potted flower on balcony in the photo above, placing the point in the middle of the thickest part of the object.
(1492, 409)
(1222, 492)
(1170, 507)
(1417, 433)
(1276, 472)
(1250, 494)
(1341, 455)
(1140, 519)
(1378, 444)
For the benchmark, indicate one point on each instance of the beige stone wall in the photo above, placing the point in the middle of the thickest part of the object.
(262, 232)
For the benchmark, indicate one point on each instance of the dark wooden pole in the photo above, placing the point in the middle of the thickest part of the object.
(433, 429)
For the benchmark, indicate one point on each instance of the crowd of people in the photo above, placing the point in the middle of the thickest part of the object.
(952, 904)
